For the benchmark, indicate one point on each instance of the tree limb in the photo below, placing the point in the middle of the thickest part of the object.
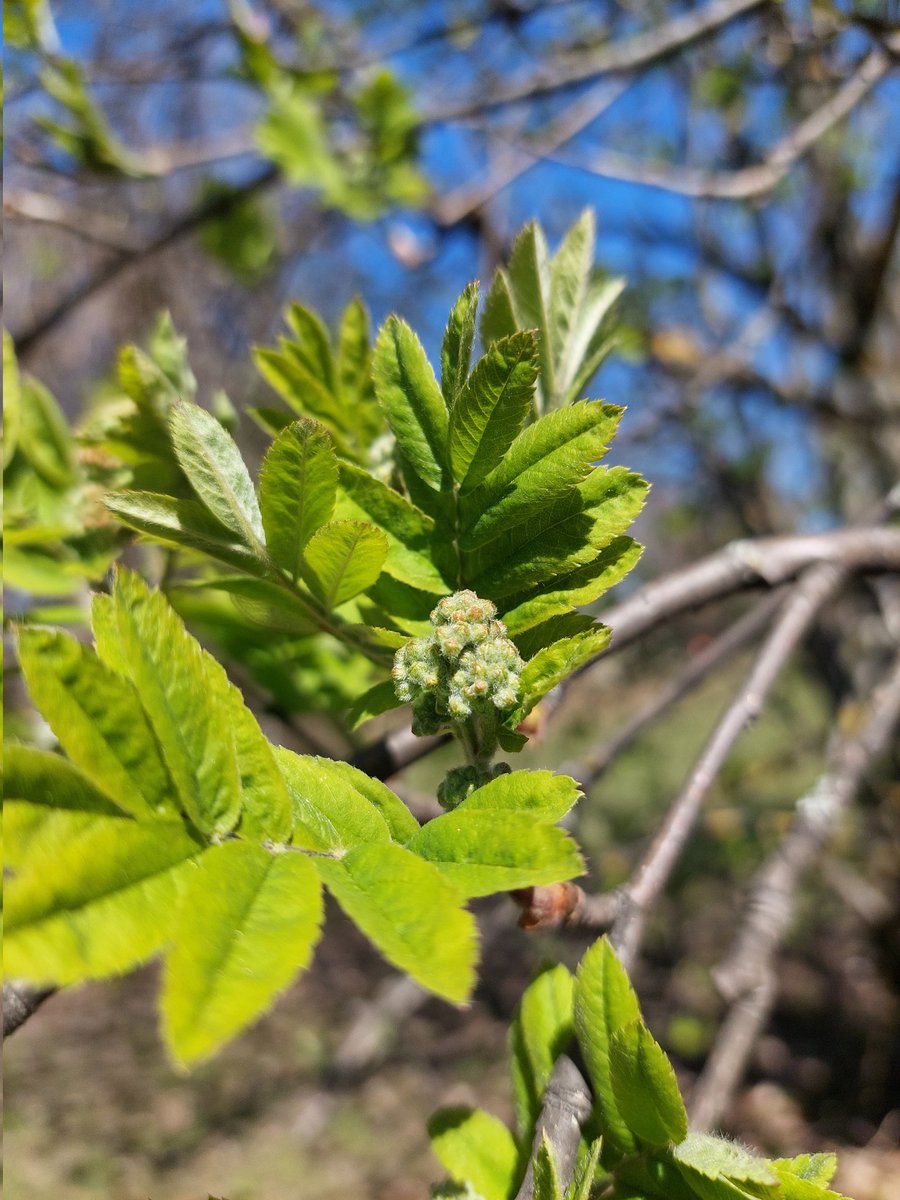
(747, 977)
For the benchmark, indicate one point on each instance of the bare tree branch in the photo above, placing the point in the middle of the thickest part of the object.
(750, 182)
(808, 596)
(20, 1002)
(566, 1107)
(640, 50)
(747, 977)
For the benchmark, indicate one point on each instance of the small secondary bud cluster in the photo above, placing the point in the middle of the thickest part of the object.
(466, 666)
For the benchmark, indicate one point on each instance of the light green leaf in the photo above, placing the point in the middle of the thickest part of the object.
(400, 821)
(475, 1148)
(267, 812)
(98, 904)
(540, 1032)
(546, 1179)
(47, 801)
(716, 1168)
(378, 699)
(248, 922)
(342, 559)
(105, 627)
(408, 530)
(183, 523)
(528, 272)
(543, 795)
(12, 400)
(409, 394)
(456, 348)
(313, 344)
(556, 662)
(569, 273)
(297, 488)
(99, 721)
(545, 462)
(184, 693)
(44, 435)
(645, 1087)
(604, 1003)
(805, 1177)
(593, 337)
(483, 852)
(333, 813)
(491, 408)
(584, 1174)
(270, 605)
(217, 473)
(582, 586)
(411, 914)
(353, 353)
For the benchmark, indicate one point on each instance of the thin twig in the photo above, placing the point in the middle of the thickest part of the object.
(20, 1002)
(809, 595)
(747, 976)
(565, 1108)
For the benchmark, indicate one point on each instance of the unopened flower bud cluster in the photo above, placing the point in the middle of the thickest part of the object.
(466, 666)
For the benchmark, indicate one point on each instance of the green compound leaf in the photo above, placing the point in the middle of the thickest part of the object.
(47, 800)
(97, 904)
(806, 1177)
(332, 811)
(545, 462)
(541, 1030)
(645, 1087)
(475, 1148)
(399, 820)
(715, 1168)
(585, 1172)
(604, 1003)
(410, 912)
(546, 1180)
(409, 394)
(99, 721)
(408, 530)
(182, 523)
(184, 692)
(557, 662)
(248, 923)
(343, 559)
(483, 852)
(492, 407)
(545, 796)
(456, 348)
(297, 488)
(212, 463)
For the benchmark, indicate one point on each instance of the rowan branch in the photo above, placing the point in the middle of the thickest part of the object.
(747, 977)
(640, 50)
(565, 1108)
(749, 182)
(20, 1002)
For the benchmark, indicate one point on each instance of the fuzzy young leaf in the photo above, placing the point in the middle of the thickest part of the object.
(332, 812)
(408, 530)
(715, 1168)
(805, 1177)
(98, 904)
(485, 851)
(492, 408)
(540, 1032)
(184, 693)
(604, 1003)
(645, 1088)
(456, 349)
(412, 401)
(411, 914)
(217, 473)
(297, 488)
(99, 721)
(475, 1148)
(342, 559)
(557, 662)
(183, 523)
(247, 923)
(546, 1179)
(543, 795)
